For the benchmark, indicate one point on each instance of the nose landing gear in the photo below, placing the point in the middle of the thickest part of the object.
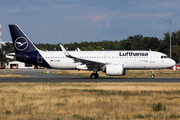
(152, 74)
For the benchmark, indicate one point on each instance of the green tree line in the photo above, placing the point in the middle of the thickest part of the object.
(136, 42)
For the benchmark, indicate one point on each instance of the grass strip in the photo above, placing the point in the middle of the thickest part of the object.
(89, 101)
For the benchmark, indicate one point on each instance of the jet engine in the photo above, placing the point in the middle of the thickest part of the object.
(116, 69)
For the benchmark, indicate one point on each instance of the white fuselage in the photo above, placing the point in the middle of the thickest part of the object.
(131, 59)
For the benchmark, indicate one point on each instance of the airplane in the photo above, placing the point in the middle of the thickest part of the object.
(113, 63)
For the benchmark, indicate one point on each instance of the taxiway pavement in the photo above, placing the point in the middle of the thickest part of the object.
(36, 76)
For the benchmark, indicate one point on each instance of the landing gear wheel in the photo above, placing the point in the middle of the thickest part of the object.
(152, 76)
(94, 75)
(97, 75)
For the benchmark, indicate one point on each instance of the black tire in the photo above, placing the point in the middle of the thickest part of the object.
(97, 75)
(94, 75)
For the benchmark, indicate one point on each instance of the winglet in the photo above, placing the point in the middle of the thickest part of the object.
(65, 51)
(78, 49)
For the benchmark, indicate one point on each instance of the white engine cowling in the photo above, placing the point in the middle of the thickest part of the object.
(116, 69)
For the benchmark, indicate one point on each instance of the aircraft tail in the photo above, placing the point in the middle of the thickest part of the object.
(21, 42)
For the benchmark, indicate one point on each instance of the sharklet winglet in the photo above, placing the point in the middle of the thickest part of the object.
(65, 51)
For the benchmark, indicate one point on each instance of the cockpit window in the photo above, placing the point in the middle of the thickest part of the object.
(162, 57)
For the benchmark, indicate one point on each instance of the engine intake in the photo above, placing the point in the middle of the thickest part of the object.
(115, 69)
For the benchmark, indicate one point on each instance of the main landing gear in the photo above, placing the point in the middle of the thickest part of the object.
(152, 74)
(94, 75)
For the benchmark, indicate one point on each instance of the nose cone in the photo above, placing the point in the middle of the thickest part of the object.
(172, 62)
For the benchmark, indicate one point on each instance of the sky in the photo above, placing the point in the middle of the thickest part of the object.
(47, 21)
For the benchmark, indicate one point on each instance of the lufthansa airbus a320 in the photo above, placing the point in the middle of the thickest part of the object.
(111, 62)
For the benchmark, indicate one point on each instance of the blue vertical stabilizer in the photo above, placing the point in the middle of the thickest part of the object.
(21, 42)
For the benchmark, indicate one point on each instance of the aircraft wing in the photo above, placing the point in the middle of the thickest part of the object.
(87, 62)
(83, 61)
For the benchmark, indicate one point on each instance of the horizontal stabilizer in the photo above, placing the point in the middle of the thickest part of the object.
(15, 56)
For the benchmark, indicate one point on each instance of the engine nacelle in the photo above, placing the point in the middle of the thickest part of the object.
(116, 69)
